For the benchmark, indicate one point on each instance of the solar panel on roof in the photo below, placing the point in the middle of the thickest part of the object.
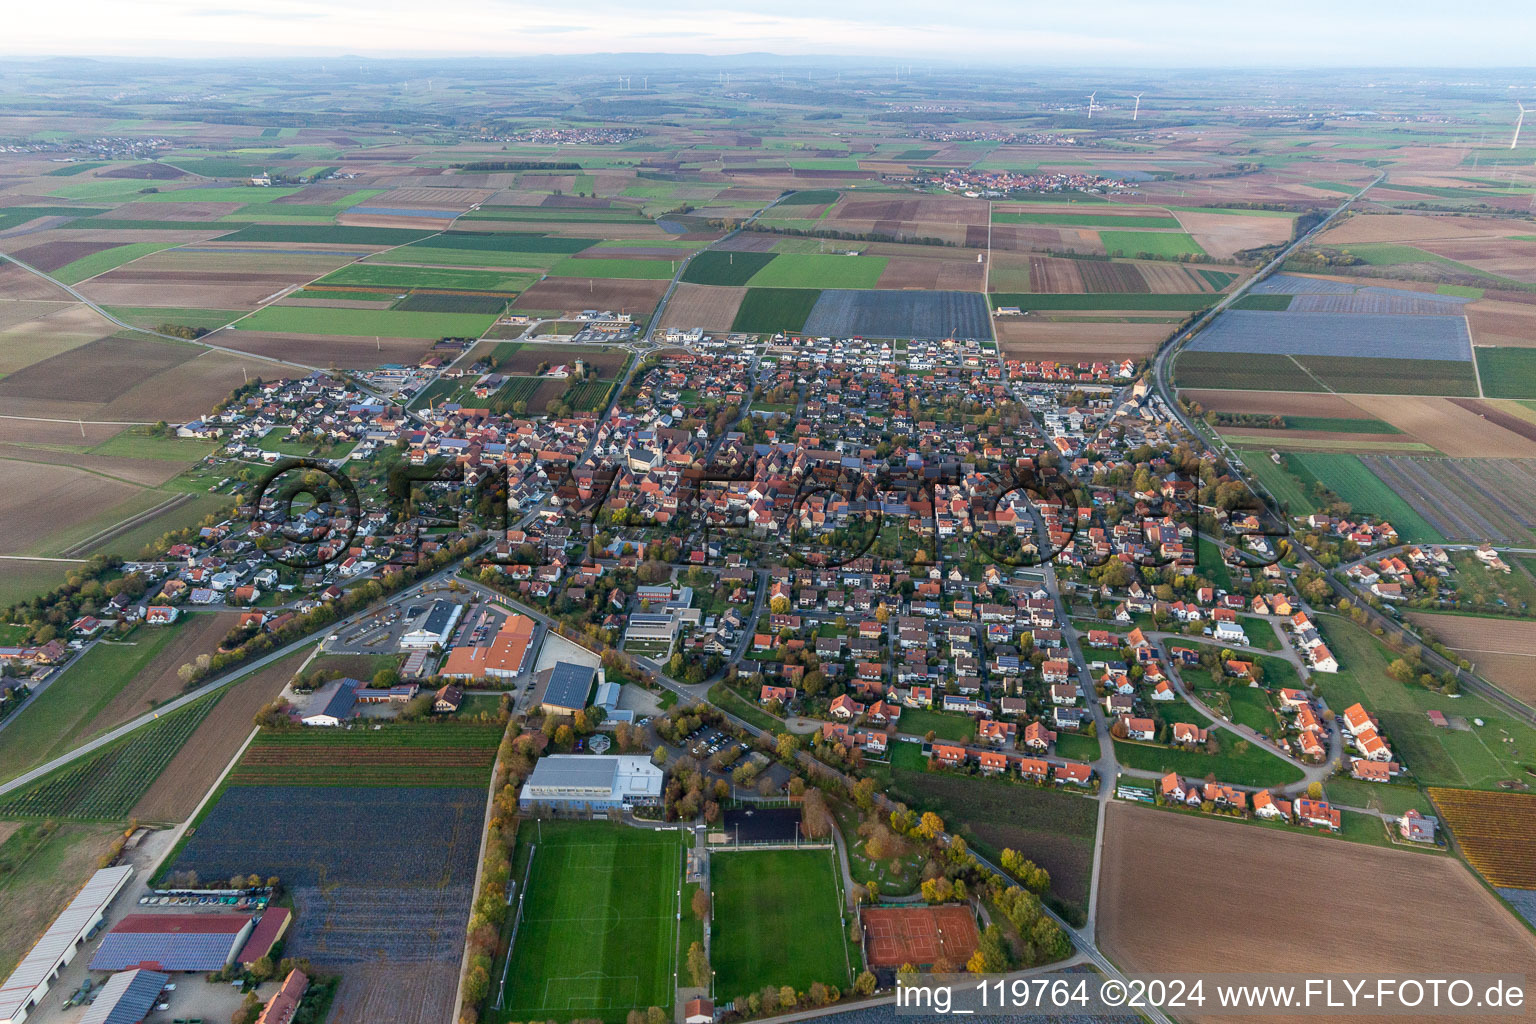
(126, 998)
(167, 951)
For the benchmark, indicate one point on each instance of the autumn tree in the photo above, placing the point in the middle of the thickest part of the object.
(698, 965)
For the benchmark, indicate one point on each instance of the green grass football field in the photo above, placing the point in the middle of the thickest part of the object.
(598, 936)
(776, 921)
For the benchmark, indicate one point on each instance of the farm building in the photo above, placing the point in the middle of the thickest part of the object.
(38, 970)
(126, 998)
(566, 687)
(577, 782)
(337, 707)
(173, 942)
(431, 627)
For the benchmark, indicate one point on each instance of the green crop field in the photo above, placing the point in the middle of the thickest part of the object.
(387, 323)
(1241, 371)
(509, 241)
(399, 754)
(1359, 375)
(428, 255)
(108, 259)
(777, 921)
(1089, 220)
(1507, 372)
(438, 302)
(1475, 757)
(806, 270)
(1267, 303)
(1353, 481)
(811, 197)
(106, 784)
(629, 269)
(380, 275)
(1167, 244)
(55, 722)
(1341, 425)
(12, 216)
(770, 310)
(334, 234)
(154, 316)
(598, 935)
(731, 268)
(1104, 300)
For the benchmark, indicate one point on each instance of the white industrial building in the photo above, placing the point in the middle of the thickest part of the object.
(39, 969)
(578, 782)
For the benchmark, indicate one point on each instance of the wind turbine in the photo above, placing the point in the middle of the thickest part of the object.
(1137, 112)
(1090, 103)
(1516, 140)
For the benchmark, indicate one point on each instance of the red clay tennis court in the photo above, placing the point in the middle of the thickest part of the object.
(919, 935)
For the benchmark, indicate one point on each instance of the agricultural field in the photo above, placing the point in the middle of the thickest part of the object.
(1496, 832)
(67, 711)
(760, 898)
(376, 874)
(725, 268)
(42, 867)
(1172, 245)
(1246, 929)
(695, 305)
(1053, 829)
(106, 785)
(384, 322)
(1501, 650)
(1474, 500)
(772, 310)
(1351, 479)
(400, 754)
(598, 930)
(1378, 335)
(930, 315)
(204, 755)
(795, 270)
(1507, 372)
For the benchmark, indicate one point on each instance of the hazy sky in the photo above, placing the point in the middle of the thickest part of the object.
(1110, 32)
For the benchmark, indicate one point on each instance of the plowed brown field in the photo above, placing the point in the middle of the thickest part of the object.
(1274, 914)
(1502, 649)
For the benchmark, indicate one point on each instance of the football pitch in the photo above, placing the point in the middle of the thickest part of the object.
(598, 935)
(777, 921)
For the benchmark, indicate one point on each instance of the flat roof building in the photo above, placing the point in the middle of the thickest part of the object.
(575, 782)
(504, 657)
(566, 687)
(39, 969)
